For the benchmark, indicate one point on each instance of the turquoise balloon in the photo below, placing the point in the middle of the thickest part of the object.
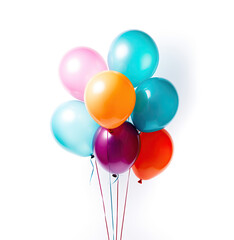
(134, 54)
(156, 104)
(74, 128)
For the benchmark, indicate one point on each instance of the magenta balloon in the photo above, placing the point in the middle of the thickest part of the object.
(116, 150)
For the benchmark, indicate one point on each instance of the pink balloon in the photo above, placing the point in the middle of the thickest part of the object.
(77, 67)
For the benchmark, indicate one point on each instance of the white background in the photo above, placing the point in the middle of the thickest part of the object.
(45, 191)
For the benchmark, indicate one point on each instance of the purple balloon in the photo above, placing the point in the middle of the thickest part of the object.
(117, 149)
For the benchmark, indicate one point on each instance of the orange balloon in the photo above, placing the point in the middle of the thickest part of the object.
(155, 154)
(110, 98)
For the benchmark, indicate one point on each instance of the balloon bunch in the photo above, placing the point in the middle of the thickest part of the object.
(121, 126)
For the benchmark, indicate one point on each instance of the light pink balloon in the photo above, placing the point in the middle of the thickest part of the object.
(77, 67)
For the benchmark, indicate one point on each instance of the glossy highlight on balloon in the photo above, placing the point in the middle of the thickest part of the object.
(74, 128)
(117, 150)
(156, 104)
(134, 54)
(155, 154)
(77, 67)
(110, 98)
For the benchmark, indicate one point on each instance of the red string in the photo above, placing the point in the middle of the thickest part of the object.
(104, 209)
(117, 209)
(125, 204)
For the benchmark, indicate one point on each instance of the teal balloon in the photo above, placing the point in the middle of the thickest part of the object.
(134, 54)
(74, 128)
(156, 104)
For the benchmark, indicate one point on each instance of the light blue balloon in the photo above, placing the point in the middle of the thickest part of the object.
(156, 104)
(134, 54)
(74, 128)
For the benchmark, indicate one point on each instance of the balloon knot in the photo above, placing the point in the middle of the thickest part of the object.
(114, 175)
(110, 130)
(92, 156)
(140, 181)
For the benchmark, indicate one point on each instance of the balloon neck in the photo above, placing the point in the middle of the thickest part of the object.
(114, 175)
(140, 181)
(92, 156)
(110, 130)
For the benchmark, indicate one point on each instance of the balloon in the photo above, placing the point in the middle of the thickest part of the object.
(155, 154)
(135, 54)
(110, 98)
(77, 67)
(156, 104)
(118, 149)
(73, 128)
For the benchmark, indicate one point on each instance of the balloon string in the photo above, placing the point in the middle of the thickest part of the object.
(117, 209)
(104, 209)
(126, 195)
(112, 214)
(91, 176)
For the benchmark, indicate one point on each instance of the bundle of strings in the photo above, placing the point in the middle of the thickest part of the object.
(114, 231)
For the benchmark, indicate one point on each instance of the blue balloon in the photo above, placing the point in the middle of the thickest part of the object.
(74, 128)
(134, 54)
(156, 104)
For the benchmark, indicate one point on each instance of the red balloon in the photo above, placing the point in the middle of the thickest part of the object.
(155, 154)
